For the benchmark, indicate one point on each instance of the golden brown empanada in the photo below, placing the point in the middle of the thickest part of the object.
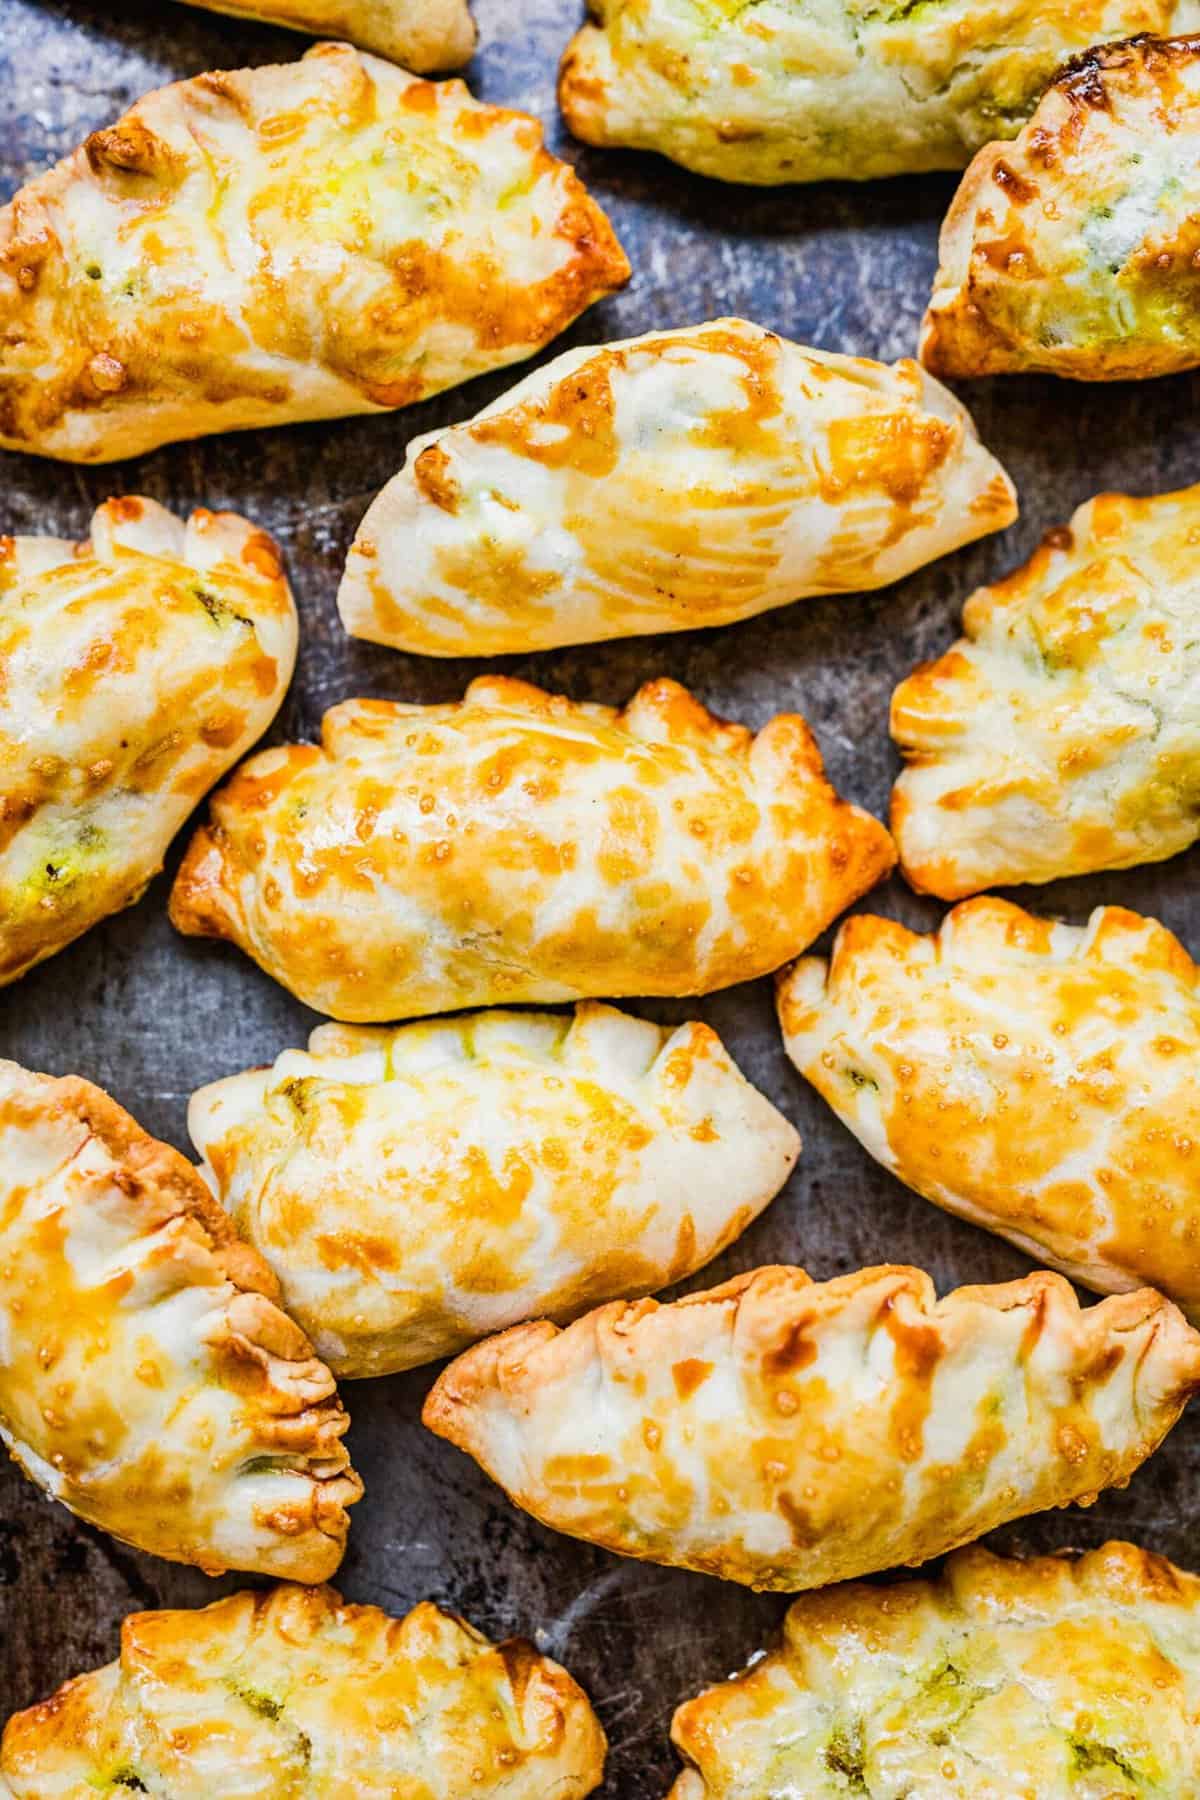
(148, 1380)
(262, 246)
(426, 36)
(135, 669)
(1061, 734)
(294, 1693)
(1053, 1679)
(786, 90)
(1035, 1078)
(520, 846)
(686, 478)
(1076, 249)
(788, 1434)
(416, 1189)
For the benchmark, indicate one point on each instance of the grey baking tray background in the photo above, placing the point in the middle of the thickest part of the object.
(150, 1015)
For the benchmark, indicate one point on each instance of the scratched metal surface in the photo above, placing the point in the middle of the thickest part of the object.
(150, 1016)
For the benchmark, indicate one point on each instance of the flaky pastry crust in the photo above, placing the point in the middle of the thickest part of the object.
(686, 478)
(148, 1378)
(1060, 735)
(427, 36)
(518, 846)
(1053, 1679)
(1034, 1078)
(262, 246)
(791, 90)
(1076, 250)
(415, 1189)
(135, 669)
(787, 1434)
(295, 1695)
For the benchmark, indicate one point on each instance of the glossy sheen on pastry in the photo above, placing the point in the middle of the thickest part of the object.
(295, 1693)
(135, 669)
(1037, 1079)
(426, 36)
(793, 90)
(686, 478)
(1073, 251)
(519, 846)
(787, 1434)
(1052, 1679)
(416, 1189)
(267, 245)
(1061, 734)
(148, 1379)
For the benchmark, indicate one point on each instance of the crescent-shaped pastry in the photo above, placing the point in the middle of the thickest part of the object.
(787, 1434)
(148, 1379)
(416, 1189)
(135, 669)
(1076, 250)
(294, 1692)
(1060, 734)
(262, 246)
(426, 36)
(1054, 1679)
(519, 846)
(1037, 1079)
(789, 91)
(686, 478)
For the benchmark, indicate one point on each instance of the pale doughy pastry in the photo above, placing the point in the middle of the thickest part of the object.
(135, 669)
(787, 1434)
(148, 1380)
(519, 846)
(294, 1693)
(416, 1189)
(1076, 250)
(685, 478)
(1061, 734)
(262, 246)
(1038, 1079)
(812, 90)
(1053, 1679)
(426, 36)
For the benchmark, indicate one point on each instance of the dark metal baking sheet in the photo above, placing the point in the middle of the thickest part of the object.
(150, 1015)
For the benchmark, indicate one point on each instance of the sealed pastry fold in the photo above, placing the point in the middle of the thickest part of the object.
(264, 246)
(148, 1378)
(684, 478)
(1060, 734)
(1032, 1077)
(294, 1691)
(787, 1434)
(1059, 1677)
(520, 846)
(791, 92)
(137, 667)
(414, 1189)
(426, 36)
(1073, 250)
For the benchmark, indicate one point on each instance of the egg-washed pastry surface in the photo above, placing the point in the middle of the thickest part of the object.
(268, 245)
(416, 1189)
(519, 846)
(814, 90)
(1035, 1078)
(1073, 251)
(295, 1695)
(1053, 1679)
(686, 478)
(1061, 734)
(426, 36)
(135, 669)
(148, 1379)
(786, 1434)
